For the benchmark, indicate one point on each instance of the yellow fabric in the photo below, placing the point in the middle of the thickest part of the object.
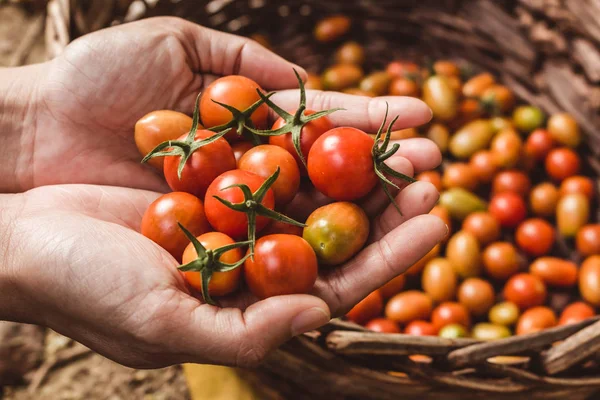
(208, 382)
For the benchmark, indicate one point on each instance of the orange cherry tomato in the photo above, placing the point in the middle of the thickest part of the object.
(507, 147)
(464, 253)
(525, 290)
(484, 166)
(313, 82)
(564, 129)
(341, 76)
(404, 87)
(535, 236)
(350, 53)
(572, 213)
(382, 325)
(536, 319)
(450, 313)
(501, 260)
(432, 177)
(393, 287)
(511, 181)
(468, 110)
(589, 280)
(440, 135)
(543, 199)
(239, 149)
(500, 97)
(403, 69)
(539, 144)
(459, 174)
(483, 226)
(508, 208)
(476, 86)
(477, 295)
(221, 283)
(576, 312)
(446, 68)
(578, 184)
(420, 328)
(332, 28)
(562, 163)
(409, 306)
(366, 309)
(439, 280)
(555, 271)
(588, 240)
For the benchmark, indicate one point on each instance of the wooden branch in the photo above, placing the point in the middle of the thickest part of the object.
(588, 56)
(578, 347)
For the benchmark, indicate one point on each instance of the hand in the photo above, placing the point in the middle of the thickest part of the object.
(84, 271)
(87, 101)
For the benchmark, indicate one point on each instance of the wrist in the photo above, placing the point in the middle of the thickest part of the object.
(19, 102)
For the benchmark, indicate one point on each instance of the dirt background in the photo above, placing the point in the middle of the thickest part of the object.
(40, 364)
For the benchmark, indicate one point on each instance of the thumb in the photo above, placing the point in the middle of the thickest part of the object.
(233, 337)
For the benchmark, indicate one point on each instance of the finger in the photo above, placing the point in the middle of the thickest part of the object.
(380, 262)
(232, 337)
(423, 154)
(418, 198)
(360, 112)
(220, 53)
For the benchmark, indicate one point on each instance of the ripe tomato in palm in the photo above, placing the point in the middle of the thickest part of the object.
(282, 264)
(236, 91)
(310, 133)
(159, 222)
(535, 236)
(204, 165)
(382, 325)
(340, 164)
(264, 160)
(224, 219)
(157, 127)
(366, 309)
(221, 283)
(508, 208)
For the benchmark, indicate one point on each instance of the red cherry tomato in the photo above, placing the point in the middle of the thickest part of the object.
(578, 184)
(159, 222)
(403, 69)
(525, 290)
(224, 219)
(511, 181)
(535, 319)
(340, 164)
(450, 313)
(508, 208)
(366, 309)
(221, 283)
(539, 144)
(484, 165)
(202, 167)
(576, 312)
(588, 240)
(236, 91)
(535, 236)
(562, 163)
(310, 133)
(383, 325)
(420, 328)
(282, 264)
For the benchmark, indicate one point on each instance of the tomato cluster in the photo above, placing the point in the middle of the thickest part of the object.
(232, 179)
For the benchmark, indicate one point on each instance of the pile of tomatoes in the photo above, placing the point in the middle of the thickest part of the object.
(513, 193)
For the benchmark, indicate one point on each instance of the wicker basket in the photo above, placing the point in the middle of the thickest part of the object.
(547, 51)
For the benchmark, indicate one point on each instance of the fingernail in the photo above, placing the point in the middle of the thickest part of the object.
(447, 230)
(309, 320)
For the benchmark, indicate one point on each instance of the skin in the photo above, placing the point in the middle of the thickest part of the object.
(144, 316)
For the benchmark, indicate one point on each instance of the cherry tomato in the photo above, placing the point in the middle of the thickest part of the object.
(576, 312)
(483, 226)
(403, 69)
(505, 313)
(500, 97)
(525, 290)
(440, 97)
(577, 184)
(393, 287)
(555, 271)
(453, 331)
(501, 124)
(508, 208)
(340, 164)
(484, 165)
(418, 267)
(539, 144)
(332, 28)
(535, 236)
(464, 254)
(341, 76)
(440, 135)
(450, 313)
(528, 118)
(281, 227)
(313, 82)
(420, 328)
(157, 127)
(408, 306)
(376, 82)
(221, 283)
(562, 163)
(468, 110)
(486, 331)
(475, 86)
(350, 53)
(543, 199)
(460, 203)
(236, 91)
(382, 325)
(336, 232)
(264, 160)
(511, 181)
(572, 213)
(507, 147)
(501, 260)
(366, 309)
(564, 129)
(536, 319)
(459, 174)
(588, 240)
(471, 138)
(432, 177)
(310, 133)
(439, 280)
(204, 165)
(477, 295)
(589, 280)
(404, 87)
(231, 222)
(282, 264)
(446, 68)
(159, 222)
(239, 149)
(442, 213)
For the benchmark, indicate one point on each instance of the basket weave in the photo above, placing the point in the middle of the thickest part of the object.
(547, 51)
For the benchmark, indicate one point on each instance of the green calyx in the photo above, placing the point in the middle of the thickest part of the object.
(293, 122)
(208, 262)
(381, 153)
(184, 148)
(252, 207)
